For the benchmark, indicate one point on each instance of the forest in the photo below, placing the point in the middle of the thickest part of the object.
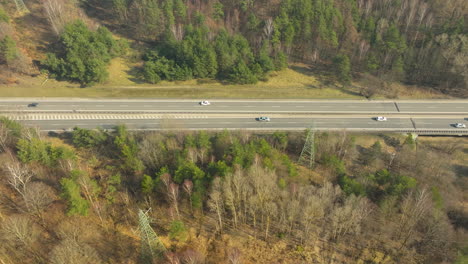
(414, 42)
(95, 196)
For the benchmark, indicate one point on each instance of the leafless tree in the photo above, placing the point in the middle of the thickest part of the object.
(5, 30)
(414, 208)
(29, 133)
(268, 29)
(363, 49)
(271, 210)
(172, 258)
(422, 11)
(312, 214)
(215, 201)
(166, 179)
(151, 152)
(91, 191)
(21, 64)
(347, 218)
(188, 188)
(55, 14)
(228, 197)
(4, 137)
(173, 193)
(234, 256)
(18, 175)
(38, 196)
(191, 256)
(412, 9)
(77, 229)
(68, 251)
(19, 229)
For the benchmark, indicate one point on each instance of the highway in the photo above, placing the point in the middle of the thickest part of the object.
(236, 106)
(367, 124)
(64, 114)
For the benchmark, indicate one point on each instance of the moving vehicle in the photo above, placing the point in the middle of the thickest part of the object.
(381, 118)
(460, 125)
(205, 103)
(263, 119)
(33, 104)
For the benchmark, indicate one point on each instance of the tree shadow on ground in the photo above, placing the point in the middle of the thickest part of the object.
(460, 170)
(135, 75)
(325, 78)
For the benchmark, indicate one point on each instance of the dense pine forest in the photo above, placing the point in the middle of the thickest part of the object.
(94, 196)
(415, 42)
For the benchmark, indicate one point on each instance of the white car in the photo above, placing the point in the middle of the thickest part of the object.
(263, 119)
(460, 125)
(205, 103)
(381, 118)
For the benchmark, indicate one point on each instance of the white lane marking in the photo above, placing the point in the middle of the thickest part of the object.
(124, 105)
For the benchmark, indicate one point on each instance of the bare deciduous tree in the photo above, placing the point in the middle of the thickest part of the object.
(191, 256)
(414, 208)
(4, 136)
(173, 193)
(18, 175)
(234, 256)
(38, 196)
(347, 218)
(166, 179)
(188, 188)
(19, 229)
(68, 251)
(215, 202)
(55, 14)
(229, 198)
(172, 258)
(5, 30)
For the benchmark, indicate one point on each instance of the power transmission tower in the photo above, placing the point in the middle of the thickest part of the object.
(21, 7)
(151, 246)
(307, 157)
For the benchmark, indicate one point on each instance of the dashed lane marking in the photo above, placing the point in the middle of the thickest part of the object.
(33, 117)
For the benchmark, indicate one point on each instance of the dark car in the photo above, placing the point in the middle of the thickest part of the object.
(33, 104)
(263, 119)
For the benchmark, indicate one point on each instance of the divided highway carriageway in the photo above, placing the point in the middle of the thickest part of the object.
(424, 117)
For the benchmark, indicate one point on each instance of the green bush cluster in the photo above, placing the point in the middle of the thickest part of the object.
(82, 55)
(227, 58)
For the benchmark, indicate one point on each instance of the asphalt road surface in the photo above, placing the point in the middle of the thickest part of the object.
(59, 114)
(250, 123)
(237, 106)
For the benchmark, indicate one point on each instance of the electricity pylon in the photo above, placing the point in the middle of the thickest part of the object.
(21, 7)
(307, 157)
(151, 246)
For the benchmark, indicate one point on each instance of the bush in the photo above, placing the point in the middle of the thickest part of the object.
(83, 55)
(85, 138)
(178, 231)
(4, 16)
(35, 150)
(342, 68)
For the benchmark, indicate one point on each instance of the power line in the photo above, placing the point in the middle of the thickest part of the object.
(307, 157)
(151, 246)
(21, 7)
